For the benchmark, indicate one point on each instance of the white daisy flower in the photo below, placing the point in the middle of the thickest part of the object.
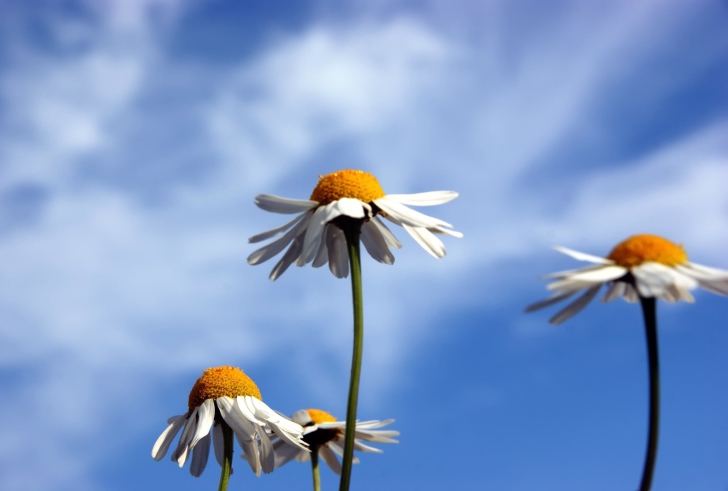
(226, 394)
(314, 235)
(322, 431)
(641, 266)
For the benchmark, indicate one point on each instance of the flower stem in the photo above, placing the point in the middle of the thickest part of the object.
(315, 467)
(227, 463)
(352, 231)
(649, 311)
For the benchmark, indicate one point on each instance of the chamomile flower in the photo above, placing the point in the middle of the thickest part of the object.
(314, 234)
(225, 395)
(323, 432)
(641, 266)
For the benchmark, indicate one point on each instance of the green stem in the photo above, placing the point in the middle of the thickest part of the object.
(650, 314)
(315, 467)
(227, 463)
(352, 231)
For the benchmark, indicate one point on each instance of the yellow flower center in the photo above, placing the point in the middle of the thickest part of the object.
(347, 183)
(319, 416)
(222, 381)
(643, 248)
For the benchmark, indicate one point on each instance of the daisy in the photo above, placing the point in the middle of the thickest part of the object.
(641, 266)
(225, 398)
(315, 234)
(645, 268)
(323, 433)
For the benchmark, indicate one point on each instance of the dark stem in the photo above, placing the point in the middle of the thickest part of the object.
(352, 231)
(227, 463)
(315, 467)
(649, 311)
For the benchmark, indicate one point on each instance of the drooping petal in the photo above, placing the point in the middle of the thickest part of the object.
(200, 454)
(314, 233)
(205, 416)
(183, 446)
(338, 253)
(244, 431)
(330, 458)
(615, 290)
(267, 455)
(277, 204)
(276, 231)
(375, 244)
(165, 439)
(293, 252)
(427, 240)
(388, 236)
(269, 250)
(549, 301)
(284, 453)
(218, 444)
(576, 306)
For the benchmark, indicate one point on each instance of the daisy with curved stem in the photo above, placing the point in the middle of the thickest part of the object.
(643, 267)
(344, 210)
(229, 402)
(324, 436)
(316, 235)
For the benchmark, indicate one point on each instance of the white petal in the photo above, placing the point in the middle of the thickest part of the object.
(351, 207)
(276, 231)
(365, 448)
(576, 306)
(389, 238)
(200, 454)
(165, 439)
(375, 244)
(615, 290)
(427, 240)
(286, 429)
(267, 455)
(301, 417)
(588, 278)
(243, 429)
(314, 233)
(218, 443)
(630, 294)
(580, 256)
(549, 301)
(710, 279)
(288, 258)
(429, 198)
(322, 256)
(206, 416)
(338, 253)
(285, 453)
(399, 213)
(183, 446)
(653, 278)
(330, 458)
(269, 250)
(276, 204)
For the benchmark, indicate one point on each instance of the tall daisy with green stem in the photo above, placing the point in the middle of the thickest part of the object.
(642, 268)
(227, 401)
(325, 438)
(344, 210)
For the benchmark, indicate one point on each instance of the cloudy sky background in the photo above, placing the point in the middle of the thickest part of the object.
(135, 134)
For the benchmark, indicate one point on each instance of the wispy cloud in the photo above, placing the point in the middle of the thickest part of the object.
(107, 285)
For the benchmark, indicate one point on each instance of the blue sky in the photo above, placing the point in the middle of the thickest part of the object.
(134, 136)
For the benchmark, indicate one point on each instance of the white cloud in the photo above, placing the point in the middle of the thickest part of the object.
(107, 290)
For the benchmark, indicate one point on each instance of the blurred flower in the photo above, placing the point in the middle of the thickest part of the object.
(641, 266)
(321, 430)
(227, 394)
(314, 235)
